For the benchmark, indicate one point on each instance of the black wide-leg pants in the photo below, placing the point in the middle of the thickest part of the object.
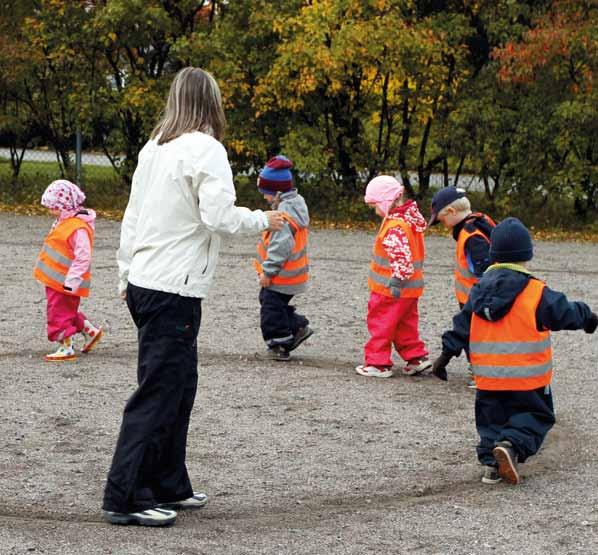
(148, 466)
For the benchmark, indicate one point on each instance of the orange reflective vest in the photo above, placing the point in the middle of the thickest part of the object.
(56, 257)
(464, 278)
(295, 269)
(380, 270)
(511, 354)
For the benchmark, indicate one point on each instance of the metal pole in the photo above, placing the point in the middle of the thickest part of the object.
(78, 149)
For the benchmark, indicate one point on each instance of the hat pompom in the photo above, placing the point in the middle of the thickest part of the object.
(279, 163)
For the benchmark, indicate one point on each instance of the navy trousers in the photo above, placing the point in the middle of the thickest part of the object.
(148, 466)
(278, 319)
(521, 417)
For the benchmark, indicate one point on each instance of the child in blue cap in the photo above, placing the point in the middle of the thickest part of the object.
(471, 231)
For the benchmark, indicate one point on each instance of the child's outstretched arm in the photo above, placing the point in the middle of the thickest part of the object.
(555, 312)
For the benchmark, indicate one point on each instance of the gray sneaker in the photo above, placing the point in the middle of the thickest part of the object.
(278, 352)
(149, 517)
(196, 501)
(301, 335)
(490, 475)
(506, 457)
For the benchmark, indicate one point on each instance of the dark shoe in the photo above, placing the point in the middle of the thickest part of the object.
(149, 517)
(301, 335)
(278, 353)
(490, 475)
(506, 457)
(197, 501)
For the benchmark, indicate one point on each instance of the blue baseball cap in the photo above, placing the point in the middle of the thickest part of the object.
(443, 198)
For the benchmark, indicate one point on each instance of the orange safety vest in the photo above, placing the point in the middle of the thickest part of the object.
(511, 354)
(56, 257)
(295, 269)
(464, 279)
(380, 271)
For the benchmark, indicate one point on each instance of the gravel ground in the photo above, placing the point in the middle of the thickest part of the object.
(298, 457)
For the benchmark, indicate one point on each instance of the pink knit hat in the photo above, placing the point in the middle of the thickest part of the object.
(383, 191)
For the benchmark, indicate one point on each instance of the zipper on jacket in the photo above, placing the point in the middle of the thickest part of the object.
(207, 257)
(186, 279)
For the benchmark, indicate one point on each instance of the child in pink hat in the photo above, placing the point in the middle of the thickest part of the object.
(63, 267)
(396, 281)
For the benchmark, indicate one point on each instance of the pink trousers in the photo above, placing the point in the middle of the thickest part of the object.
(391, 322)
(64, 318)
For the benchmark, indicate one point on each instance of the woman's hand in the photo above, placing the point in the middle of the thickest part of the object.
(275, 220)
(123, 295)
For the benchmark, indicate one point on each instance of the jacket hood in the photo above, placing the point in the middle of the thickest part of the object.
(474, 221)
(410, 213)
(294, 205)
(86, 214)
(494, 295)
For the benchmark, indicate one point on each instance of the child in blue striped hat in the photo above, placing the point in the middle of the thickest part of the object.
(282, 263)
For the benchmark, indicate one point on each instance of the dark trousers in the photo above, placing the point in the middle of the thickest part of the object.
(278, 320)
(521, 417)
(148, 467)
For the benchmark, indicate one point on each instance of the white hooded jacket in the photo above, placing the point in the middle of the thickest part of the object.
(182, 198)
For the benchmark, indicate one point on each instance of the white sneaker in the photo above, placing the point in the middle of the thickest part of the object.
(64, 352)
(92, 336)
(197, 501)
(149, 517)
(417, 366)
(374, 372)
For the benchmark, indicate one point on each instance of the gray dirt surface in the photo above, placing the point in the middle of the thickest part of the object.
(299, 457)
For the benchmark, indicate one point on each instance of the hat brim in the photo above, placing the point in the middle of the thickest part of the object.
(433, 220)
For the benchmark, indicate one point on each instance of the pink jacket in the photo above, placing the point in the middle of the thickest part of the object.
(79, 242)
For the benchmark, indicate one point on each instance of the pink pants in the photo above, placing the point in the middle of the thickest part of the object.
(391, 322)
(64, 318)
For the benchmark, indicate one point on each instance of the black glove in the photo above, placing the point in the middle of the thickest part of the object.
(591, 324)
(396, 285)
(439, 366)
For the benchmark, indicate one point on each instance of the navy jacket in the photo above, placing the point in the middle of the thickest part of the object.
(492, 298)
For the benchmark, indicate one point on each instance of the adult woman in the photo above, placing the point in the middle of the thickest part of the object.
(182, 196)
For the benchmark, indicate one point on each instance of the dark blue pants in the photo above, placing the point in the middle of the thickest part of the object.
(521, 417)
(148, 466)
(278, 320)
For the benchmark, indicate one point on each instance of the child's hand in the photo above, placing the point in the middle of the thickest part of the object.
(265, 281)
(439, 367)
(592, 323)
(123, 295)
(395, 284)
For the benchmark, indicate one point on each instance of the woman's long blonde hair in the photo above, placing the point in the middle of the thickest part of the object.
(194, 104)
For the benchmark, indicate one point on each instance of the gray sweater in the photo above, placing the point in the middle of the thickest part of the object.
(283, 241)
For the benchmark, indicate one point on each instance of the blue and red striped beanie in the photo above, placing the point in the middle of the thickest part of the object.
(276, 176)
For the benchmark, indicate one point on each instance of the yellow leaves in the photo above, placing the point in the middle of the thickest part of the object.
(112, 36)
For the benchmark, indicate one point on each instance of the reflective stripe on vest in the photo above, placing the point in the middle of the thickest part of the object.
(380, 272)
(511, 354)
(56, 257)
(464, 278)
(295, 269)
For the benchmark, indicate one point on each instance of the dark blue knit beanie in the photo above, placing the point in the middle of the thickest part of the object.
(510, 241)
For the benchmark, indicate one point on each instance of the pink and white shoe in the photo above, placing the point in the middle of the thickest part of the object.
(417, 366)
(92, 336)
(374, 371)
(64, 352)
